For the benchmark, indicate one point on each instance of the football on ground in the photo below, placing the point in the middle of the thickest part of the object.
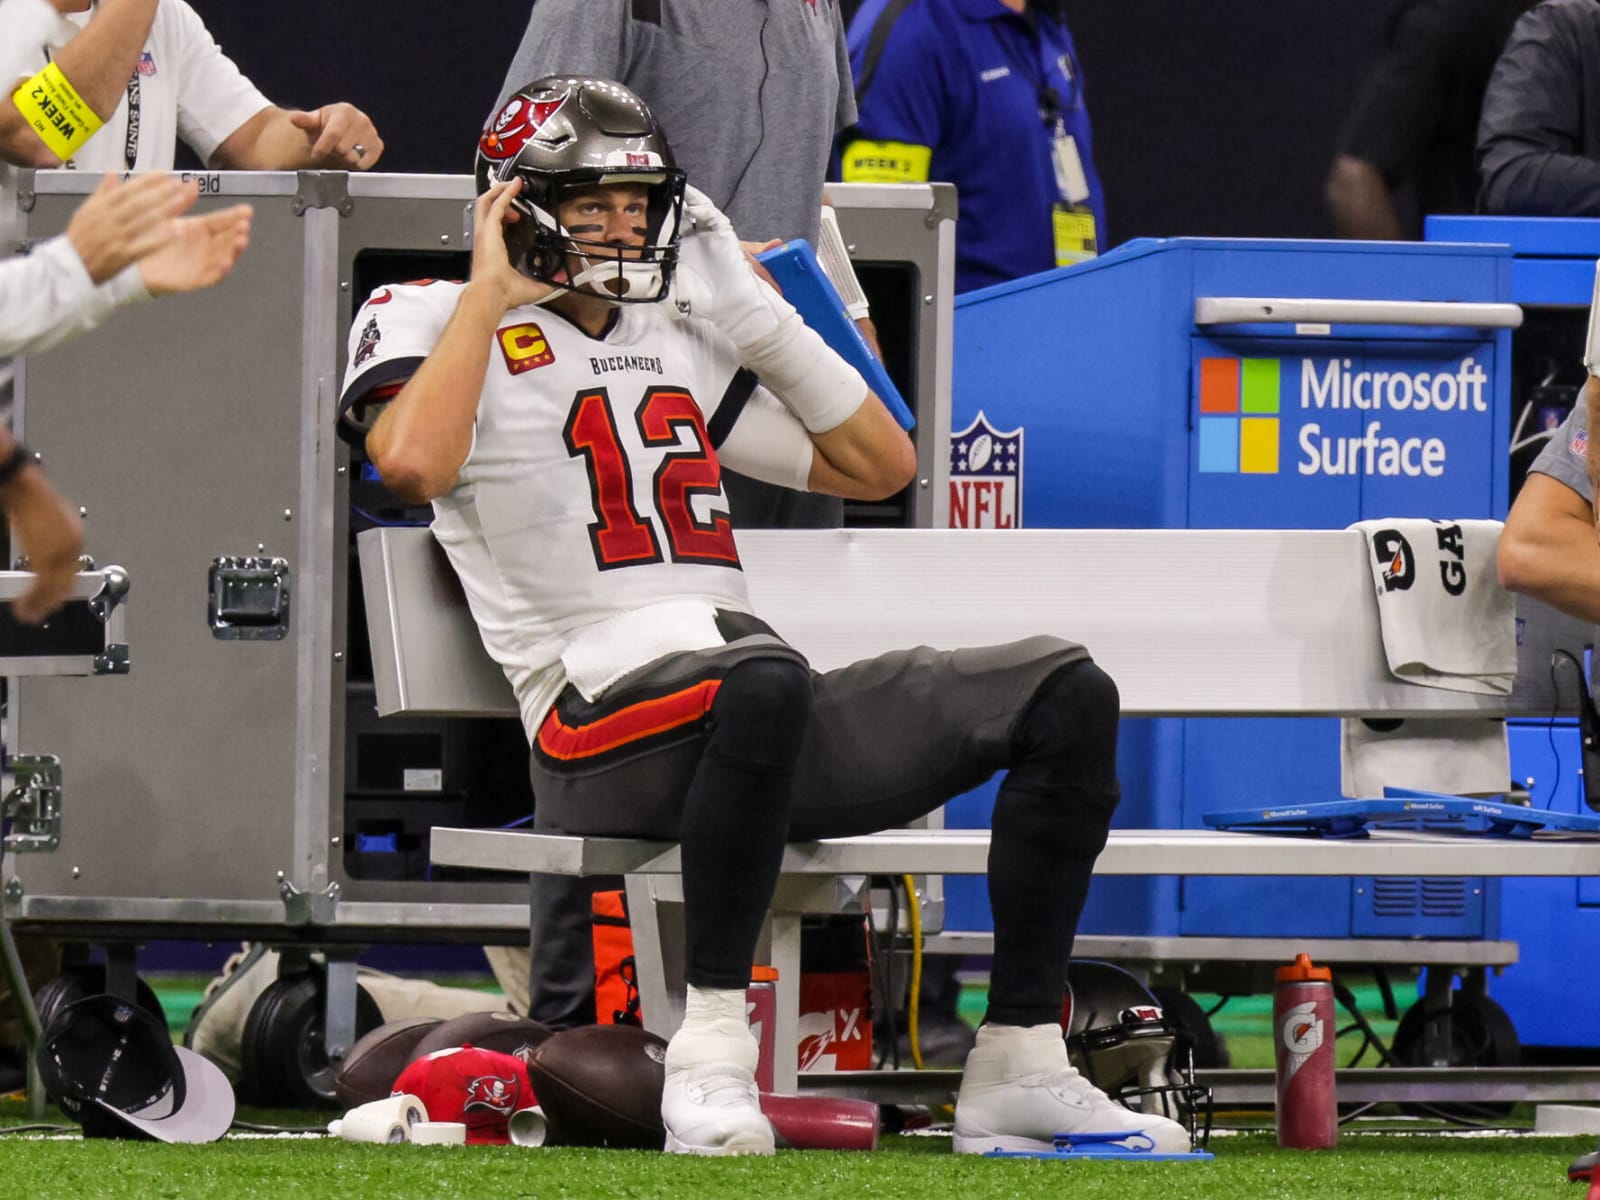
(368, 1072)
(504, 1032)
(600, 1085)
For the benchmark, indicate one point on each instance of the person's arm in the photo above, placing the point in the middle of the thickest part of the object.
(856, 449)
(336, 136)
(902, 106)
(423, 436)
(97, 63)
(126, 242)
(1359, 201)
(1530, 147)
(48, 531)
(1548, 548)
(869, 457)
(1393, 120)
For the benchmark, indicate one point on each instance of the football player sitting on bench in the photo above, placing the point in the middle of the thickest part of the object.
(566, 411)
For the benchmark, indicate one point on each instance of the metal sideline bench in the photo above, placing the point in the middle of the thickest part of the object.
(1188, 622)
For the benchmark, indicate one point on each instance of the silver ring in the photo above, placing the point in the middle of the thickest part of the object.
(361, 151)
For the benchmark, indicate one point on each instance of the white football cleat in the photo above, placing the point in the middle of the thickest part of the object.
(709, 1104)
(1019, 1092)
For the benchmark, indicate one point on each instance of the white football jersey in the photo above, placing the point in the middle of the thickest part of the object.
(592, 493)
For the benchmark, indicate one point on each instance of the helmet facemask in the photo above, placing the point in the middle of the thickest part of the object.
(577, 261)
(1121, 1040)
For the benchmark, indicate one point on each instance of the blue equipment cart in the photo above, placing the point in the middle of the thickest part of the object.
(1209, 383)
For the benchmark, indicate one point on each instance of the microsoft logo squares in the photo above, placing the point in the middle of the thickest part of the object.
(1238, 423)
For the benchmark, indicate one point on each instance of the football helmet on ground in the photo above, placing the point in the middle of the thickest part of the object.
(1119, 1037)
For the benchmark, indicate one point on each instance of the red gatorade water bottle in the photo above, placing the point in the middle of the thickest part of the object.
(761, 1003)
(1307, 1115)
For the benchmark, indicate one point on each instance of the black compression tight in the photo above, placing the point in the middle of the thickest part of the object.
(736, 815)
(1050, 822)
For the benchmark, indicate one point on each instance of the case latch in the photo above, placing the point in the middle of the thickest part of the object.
(33, 806)
(249, 599)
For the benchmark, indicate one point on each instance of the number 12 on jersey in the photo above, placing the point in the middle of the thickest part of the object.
(623, 536)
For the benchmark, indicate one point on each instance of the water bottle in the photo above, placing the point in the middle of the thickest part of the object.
(1307, 1116)
(761, 1006)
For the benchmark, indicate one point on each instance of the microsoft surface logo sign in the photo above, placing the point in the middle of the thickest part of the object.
(1239, 415)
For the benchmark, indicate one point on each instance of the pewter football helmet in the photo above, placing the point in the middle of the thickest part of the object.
(566, 131)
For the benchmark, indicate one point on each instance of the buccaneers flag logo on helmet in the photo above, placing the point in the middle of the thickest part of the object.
(518, 121)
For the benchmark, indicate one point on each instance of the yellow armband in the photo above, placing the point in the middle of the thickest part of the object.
(53, 109)
(885, 162)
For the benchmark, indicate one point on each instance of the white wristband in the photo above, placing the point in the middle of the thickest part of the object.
(806, 373)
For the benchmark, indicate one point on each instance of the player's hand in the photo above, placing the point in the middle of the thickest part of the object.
(341, 137)
(49, 532)
(120, 223)
(751, 249)
(714, 278)
(491, 262)
(199, 251)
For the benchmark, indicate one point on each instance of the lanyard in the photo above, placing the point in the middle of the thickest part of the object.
(1051, 108)
(130, 145)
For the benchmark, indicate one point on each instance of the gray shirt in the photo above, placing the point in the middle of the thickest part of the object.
(750, 93)
(1565, 456)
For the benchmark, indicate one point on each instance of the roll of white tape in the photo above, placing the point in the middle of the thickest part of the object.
(388, 1120)
(439, 1133)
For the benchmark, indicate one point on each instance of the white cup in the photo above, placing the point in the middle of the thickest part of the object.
(439, 1133)
(528, 1127)
(388, 1120)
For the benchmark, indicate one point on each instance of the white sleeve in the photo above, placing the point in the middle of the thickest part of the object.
(767, 442)
(48, 297)
(28, 24)
(751, 430)
(214, 97)
(392, 333)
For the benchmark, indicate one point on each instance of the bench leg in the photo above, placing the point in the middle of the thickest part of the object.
(655, 914)
(786, 1025)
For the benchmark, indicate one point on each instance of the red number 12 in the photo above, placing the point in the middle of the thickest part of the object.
(621, 535)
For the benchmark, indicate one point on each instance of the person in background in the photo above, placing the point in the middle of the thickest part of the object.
(115, 83)
(1539, 134)
(125, 243)
(987, 95)
(1550, 546)
(148, 73)
(112, 85)
(1408, 145)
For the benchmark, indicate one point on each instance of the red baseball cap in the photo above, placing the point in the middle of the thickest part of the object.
(479, 1088)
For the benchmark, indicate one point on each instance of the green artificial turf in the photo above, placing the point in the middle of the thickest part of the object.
(1248, 1167)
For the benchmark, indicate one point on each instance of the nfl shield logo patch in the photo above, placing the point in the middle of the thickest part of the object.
(985, 477)
(147, 64)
